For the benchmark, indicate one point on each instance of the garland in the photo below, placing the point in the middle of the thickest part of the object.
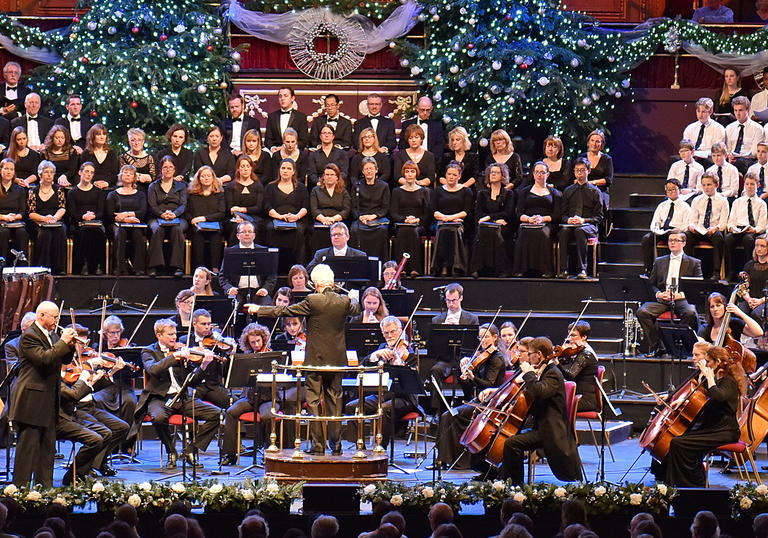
(374, 9)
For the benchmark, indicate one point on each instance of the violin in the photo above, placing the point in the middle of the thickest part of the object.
(197, 354)
(71, 372)
(566, 352)
(300, 341)
(215, 340)
(109, 358)
(477, 360)
(123, 342)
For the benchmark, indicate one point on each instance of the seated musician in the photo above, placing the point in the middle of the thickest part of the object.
(487, 377)
(283, 297)
(715, 425)
(294, 333)
(167, 365)
(508, 337)
(667, 270)
(12, 345)
(339, 246)
(374, 309)
(581, 367)
(230, 277)
(211, 388)
(184, 301)
(545, 385)
(739, 323)
(392, 351)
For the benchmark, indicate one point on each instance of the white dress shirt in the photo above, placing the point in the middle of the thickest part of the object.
(243, 282)
(452, 319)
(695, 171)
(713, 132)
(729, 187)
(755, 168)
(753, 133)
(374, 122)
(237, 128)
(33, 131)
(74, 128)
(342, 252)
(759, 101)
(175, 387)
(425, 127)
(674, 268)
(11, 93)
(680, 217)
(719, 216)
(45, 332)
(284, 120)
(740, 218)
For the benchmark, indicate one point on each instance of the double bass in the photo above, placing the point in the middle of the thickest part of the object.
(736, 351)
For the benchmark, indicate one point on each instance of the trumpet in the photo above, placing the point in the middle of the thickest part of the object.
(79, 339)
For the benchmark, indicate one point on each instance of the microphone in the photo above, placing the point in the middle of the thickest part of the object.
(439, 288)
(20, 256)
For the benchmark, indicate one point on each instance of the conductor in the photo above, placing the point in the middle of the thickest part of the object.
(326, 313)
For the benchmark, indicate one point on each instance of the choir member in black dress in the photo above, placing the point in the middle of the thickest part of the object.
(288, 203)
(753, 302)
(560, 173)
(503, 152)
(98, 152)
(724, 384)
(58, 149)
(325, 154)
(27, 160)
(167, 200)
(46, 207)
(369, 147)
(538, 212)
(85, 205)
(495, 214)
(290, 150)
(731, 89)
(410, 213)
(458, 150)
(136, 156)
(370, 204)
(329, 202)
(216, 156)
(451, 208)
(580, 368)
(206, 209)
(261, 158)
(244, 195)
(740, 323)
(414, 134)
(13, 209)
(183, 158)
(601, 164)
(127, 206)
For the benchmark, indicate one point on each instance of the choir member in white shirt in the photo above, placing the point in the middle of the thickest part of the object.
(708, 221)
(747, 220)
(671, 215)
(760, 169)
(687, 171)
(760, 99)
(704, 131)
(726, 173)
(742, 136)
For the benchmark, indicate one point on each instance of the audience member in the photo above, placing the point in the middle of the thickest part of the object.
(3, 522)
(325, 526)
(714, 12)
(759, 15)
(760, 526)
(447, 530)
(120, 529)
(705, 525)
(572, 511)
(647, 527)
(194, 529)
(519, 518)
(253, 527)
(439, 514)
(175, 524)
(127, 514)
(515, 531)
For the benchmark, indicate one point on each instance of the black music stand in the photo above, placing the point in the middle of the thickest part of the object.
(363, 337)
(298, 296)
(399, 302)
(448, 341)
(678, 340)
(219, 306)
(250, 262)
(358, 270)
(405, 382)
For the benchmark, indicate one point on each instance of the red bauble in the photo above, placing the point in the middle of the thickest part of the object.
(84, 60)
(75, 19)
(134, 104)
(93, 114)
(135, 29)
(471, 46)
(209, 48)
(524, 65)
(163, 37)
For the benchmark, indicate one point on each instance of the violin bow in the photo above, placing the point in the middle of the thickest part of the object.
(520, 329)
(578, 319)
(101, 325)
(229, 319)
(191, 315)
(487, 328)
(410, 319)
(78, 353)
(133, 334)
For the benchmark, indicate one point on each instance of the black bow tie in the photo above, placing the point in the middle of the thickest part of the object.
(75, 118)
(336, 119)
(10, 87)
(235, 120)
(377, 116)
(31, 118)
(285, 112)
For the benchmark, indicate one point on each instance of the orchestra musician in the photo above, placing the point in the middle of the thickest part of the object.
(507, 335)
(581, 367)
(236, 284)
(740, 323)
(326, 313)
(294, 332)
(374, 309)
(184, 301)
(544, 383)
(167, 365)
(716, 424)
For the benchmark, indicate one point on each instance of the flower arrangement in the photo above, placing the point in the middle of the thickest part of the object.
(748, 500)
(421, 496)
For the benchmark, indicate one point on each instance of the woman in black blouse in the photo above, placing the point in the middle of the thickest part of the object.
(206, 209)
(458, 150)
(329, 202)
(368, 143)
(410, 213)
(183, 157)
(126, 207)
(46, 207)
(59, 150)
(85, 206)
(731, 89)
(740, 323)
(327, 153)
(288, 203)
(495, 214)
(167, 200)
(260, 157)
(244, 195)
(216, 156)
(13, 208)
(290, 150)
(560, 170)
(503, 152)
(104, 159)
(138, 158)
(27, 160)
(370, 208)
(601, 164)
(753, 302)
(414, 134)
(451, 207)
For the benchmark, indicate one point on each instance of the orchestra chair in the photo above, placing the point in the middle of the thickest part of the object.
(589, 416)
(704, 244)
(737, 450)
(413, 419)
(571, 407)
(249, 417)
(592, 250)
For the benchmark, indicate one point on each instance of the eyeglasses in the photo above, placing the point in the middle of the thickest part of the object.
(338, 234)
(675, 240)
(452, 301)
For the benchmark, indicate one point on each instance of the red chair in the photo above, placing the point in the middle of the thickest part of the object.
(737, 450)
(413, 419)
(250, 417)
(589, 416)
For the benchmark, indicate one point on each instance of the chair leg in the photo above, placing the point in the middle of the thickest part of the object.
(607, 440)
(707, 461)
(238, 442)
(594, 439)
(754, 467)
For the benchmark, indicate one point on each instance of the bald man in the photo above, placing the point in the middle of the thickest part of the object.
(35, 395)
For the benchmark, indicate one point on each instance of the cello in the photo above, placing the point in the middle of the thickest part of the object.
(736, 350)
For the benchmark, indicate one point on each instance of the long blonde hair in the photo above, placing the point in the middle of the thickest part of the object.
(725, 96)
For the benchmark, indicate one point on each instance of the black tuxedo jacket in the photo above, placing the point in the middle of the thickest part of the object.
(44, 124)
(5, 131)
(689, 266)
(385, 131)
(35, 391)
(229, 275)
(85, 126)
(435, 136)
(274, 136)
(157, 367)
(249, 123)
(343, 136)
(323, 253)
(21, 95)
(466, 318)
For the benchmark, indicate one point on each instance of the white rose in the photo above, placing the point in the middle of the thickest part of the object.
(10, 490)
(745, 503)
(600, 491)
(498, 485)
(369, 489)
(33, 496)
(145, 486)
(272, 488)
(560, 492)
(215, 489)
(428, 492)
(635, 499)
(662, 489)
(134, 500)
(178, 487)
(247, 494)
(762, 489)
(519, 497)
(60, 500)
(98, 487)
(396, 500)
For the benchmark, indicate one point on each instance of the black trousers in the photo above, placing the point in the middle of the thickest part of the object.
(733, 240)
(198, 239)
(198, 409)
(328, 386)
(93, 437)
(138, 244)
(92, 414)
(175, 235)
(20, 240)
(514, 448)
(648, 312)
(581, 235)
(89, 247)
(215, 394)
(35, 451)
(401, 407)
(449, 432)
(50, 247)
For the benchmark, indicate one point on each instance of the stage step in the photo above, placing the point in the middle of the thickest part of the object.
(621, 252)
(623, 186)
(616, 432)
(628, 235)
(635, 409)
(631, 217)
(626, 269)
(607, 346)
(649, 201)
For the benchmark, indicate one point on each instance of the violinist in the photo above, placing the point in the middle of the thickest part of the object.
(507, 334)
(740, 323)
(544, 383)
(185, 302)
(294, 334)
(283, 297)
(578, 363)
(211, 389)
(167, 365)
(374, 309)
(715, 425)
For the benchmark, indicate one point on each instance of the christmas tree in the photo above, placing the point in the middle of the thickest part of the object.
(498, 64)
(142, 63)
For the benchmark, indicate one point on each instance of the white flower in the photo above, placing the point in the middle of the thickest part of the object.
(663, 489)
(396, 500)
(178, 487)
(215, 489)
(247, 494)
(560, 492)
(60, 500)
(369, 489)
(33, 496)
(427, 492)
(145, 486)
(519, 497)
(273, 488)
(762, 489)
(134, 500)
(600, 491)
(498, 485)
(745, 503)
(635, 498)
(98, 487)
(10, 490)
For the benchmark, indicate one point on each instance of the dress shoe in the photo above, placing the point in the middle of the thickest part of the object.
(98, 270)
(314, 451)
(140, 272)
(152, 271)
(229, 459)
(172, 457)
(475, 274)
(106, 470)
(178, 273)
(563, 274)
(547, 275)
(582, 275)
(191, 461)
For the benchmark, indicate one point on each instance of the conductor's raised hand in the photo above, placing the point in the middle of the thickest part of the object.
(252, 308)
(354, 295)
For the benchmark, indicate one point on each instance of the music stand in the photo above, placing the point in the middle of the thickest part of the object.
(219, 306)
(123, 378)
(359, 270)
(678, 340)
(298, 296)
(405, 382)
(447, 341)
(399, 302)
(250, 262)
(364, 337)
